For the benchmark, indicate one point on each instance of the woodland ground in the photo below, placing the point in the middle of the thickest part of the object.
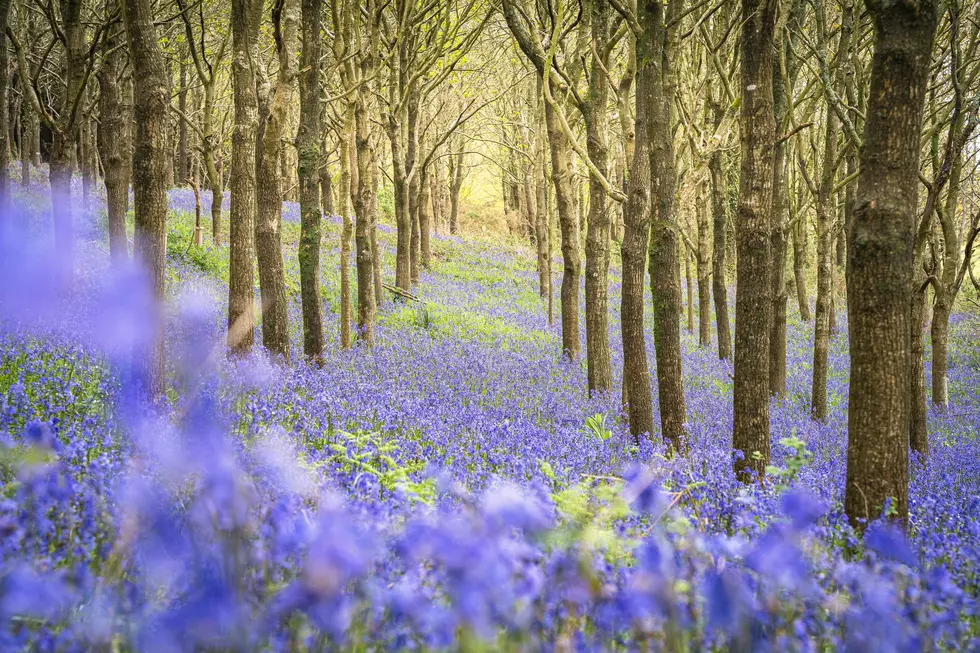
(453, 488)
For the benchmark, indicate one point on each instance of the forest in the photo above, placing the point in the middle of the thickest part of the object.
(489, 325)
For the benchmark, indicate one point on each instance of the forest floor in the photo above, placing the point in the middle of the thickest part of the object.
(461, 423)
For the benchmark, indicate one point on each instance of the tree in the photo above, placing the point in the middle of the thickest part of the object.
(636, 238)
(151, 158)
(245, 18)
(4, 121)
(664, 241)
(308, 146)
(114, 140)
(561, 174)
(826, 194)
(273, 118)
(207, 75)
(880, 245)
(62, 120)
(753, 301)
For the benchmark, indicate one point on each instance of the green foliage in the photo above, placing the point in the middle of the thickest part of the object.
(374, 453)
(794, 463)
(207, 258)
(596, 426)
(386, 201)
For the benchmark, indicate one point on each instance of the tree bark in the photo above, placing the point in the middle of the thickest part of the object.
(719, 219)
(308, 146)
(636, 238)
(880, 252)
(268, 223)
(245, 18)
(151, 158)
(753, 298)
(183, 161)
(114, 141)
(704, 273)
(4, 121)
(799, 269)
(344, 207)
(918, 430)
(594, 112)
(664, 247)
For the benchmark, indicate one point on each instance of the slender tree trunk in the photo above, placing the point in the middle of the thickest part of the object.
(308, 146)
(425, 220)
(799, 269)
(753, 227)
(880, 254)
(5, 120)
(689, 287)
(664, 247)
(245, 16)
(183, 161)
(824, 307)
(561, 167)
(211, 165)
(365, 204)
(59, 175)
(597, 239)
(114, 145)
(455, 184)
(436, 191)
(268, 223)
(151, 158)
(704, 274)
(777, 240)
(289, 156)
(344, 207)
(719, 218)
(826, 219)
(542, 230)
(28, 136)
(918, 430)
(636, 238)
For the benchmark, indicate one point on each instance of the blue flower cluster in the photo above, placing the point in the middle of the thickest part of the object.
(439, 492)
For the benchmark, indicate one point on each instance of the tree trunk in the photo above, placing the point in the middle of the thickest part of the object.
(561, 171)
(425, 220)
(246, 15)
(183, 161)
(436, 191)
(753, 300)
(542, 231)
(664, 247)
(636, 237)
(268, 223)
(826, 218)
(308, 146)
(704, 273)
(690, 289)
(114, 145)
(4, 122)
(719, 218)
(151, 158)
(597, 240)
(365, 205)
(918, 430)
(455, 184)
(880, 253)
(289, 156)
(777, 240)
(344, 203)
(939, 335)
(59, 175)
(799, 269)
